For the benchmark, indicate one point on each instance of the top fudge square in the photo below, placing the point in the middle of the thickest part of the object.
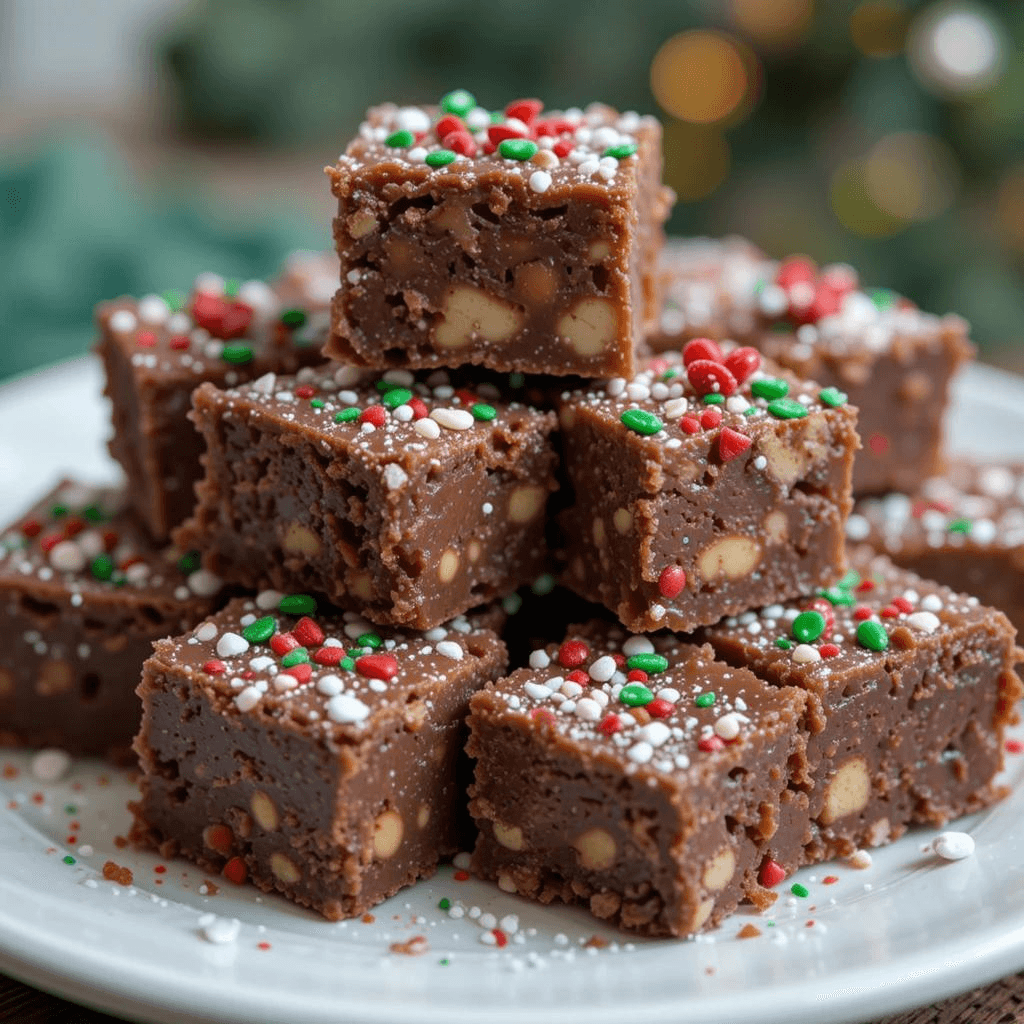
(525, 240)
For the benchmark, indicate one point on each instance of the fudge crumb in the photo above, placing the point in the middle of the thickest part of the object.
(859, 859)
(115, 873)
(367, 919)
(595, 942)
(416, 946)
(763, 898)
(709, 970)
(120, 842)
(209, 888)
(748, 931)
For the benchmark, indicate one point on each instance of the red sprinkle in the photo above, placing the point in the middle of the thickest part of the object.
(307, 632)
(888, 612)
(500, 132)
(552, 127)
(543, 715)
(234, 870)
(282, 643)
(376, 666)
(461, 876)
(263, 945)
(711, 418)
(563, 147)
(708, 377)
(145, 339)
(375, 414)
(179, 342)
(710, 744)
(448, 124)
(862, 612)
(49, 542)
(690, 425)
(878, 443)
(659, 708)
(732, 444)
(500, 938)
(219, 838)
(772, 873)
(329, 655)
(215, 667)
(619, 659)
(31, 528)
(305, 391)
(742, 362)
(795, 270)
(460, 142)
(573, 653)
(701, 348)
(302, 672)
(524, 110)
(824, 608)
(577, 675)
(902, 604)
(671, 581)
(160, 869)
(419, 408)
(865, 585)
(610, 724)
(830, 880)
(828, 650)
(1014, 747)
(222, 318)
(636, 675)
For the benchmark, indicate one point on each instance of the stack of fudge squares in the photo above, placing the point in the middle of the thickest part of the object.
(524, 381)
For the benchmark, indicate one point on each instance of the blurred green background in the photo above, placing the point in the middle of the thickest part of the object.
(142, 141)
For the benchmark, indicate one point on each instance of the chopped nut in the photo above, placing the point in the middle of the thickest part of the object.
(596, 849)
(54, 677)
(622, 520)
(598, 532)
(301, 540)
(361, 223)
(598, 251)
(535, 282)
(848, 791)
(776, 527)
(264, 811)
(510, 836)
(387, 834)
(449, 565)
(469, 313)
(526, 502)
(589, 327)
(361, 585)
(422, 815)
(701, 914)
(720, 869)
(730, 558)
(284, 869)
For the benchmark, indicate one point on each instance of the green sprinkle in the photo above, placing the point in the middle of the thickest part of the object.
(770, 387)
(237, 354)
(798, 890)
(346, 415)
(622, 151)
(671, 373)
(444, 961)
(713, 399)
(517, 149)
(102, 567)
(396, 397)
(783, 644)
(440, 158)
(787, 409)
(369, 640)
(317, 403)
(516, 380)
(189, 562)
(175, 300)
(751, 411)
(400, 139)
(58, 511)
(93, 513)
(760, 287)
(70, 809)
(850, 580)
(348, 664)
(297, 604)
(497, 117)
(231, 286)
(300, 656)
(705, 700)
(260, 631)
(832, 396)
(808, 626)
(959, 526)
(872, 635)
(641, 421)
(511, 604)
(883, 298)
(458, 101)
(385, 386)
(293, 317)
(444, 903)
(69, 859)
(635, 695)
(543, 584)
(648, 662)
(837, 596)
(483, 411)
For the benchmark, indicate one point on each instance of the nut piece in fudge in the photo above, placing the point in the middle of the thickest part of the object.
(910, 688)
(636, 776)
(703, 486)
(407, 500)
(894, 361)
(156, 350)
(84, 593)
(525, 240)
(964, 529)
(313, 753)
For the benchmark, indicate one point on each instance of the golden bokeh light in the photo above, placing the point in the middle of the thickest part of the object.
(879, 29)
(697, 159)
(911, 176)
(1010, 207)
(855, 209)
(775, 25)
(702, 77)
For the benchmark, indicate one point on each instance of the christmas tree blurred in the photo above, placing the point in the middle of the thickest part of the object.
(887, 134)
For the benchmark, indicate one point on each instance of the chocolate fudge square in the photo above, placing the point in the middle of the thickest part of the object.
(910, 688)
(402, 498)
(964, 529)
(156, 350)
(703, 486)
(636, 776)
(894, 361)
(309, 751)
(84, 593)
(524, 240)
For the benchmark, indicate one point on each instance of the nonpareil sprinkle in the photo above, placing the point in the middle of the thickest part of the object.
(872, 635)
(787, 409)
(649, 662)
(799, 890)
(346, 415)
(641, 422)
(770, 388)
(704, 700)
(297, 604)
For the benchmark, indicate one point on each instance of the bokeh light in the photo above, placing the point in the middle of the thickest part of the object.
(911, 176)
(775, 25)
(957, 49)
(702, 77)
(854, 207)
(697, 159)
(878, 29)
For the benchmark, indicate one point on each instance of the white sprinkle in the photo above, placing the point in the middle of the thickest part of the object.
(668, 693)
(453, 419)
(86, 850)
(603, 669)
(207, 631)
(538, 691)
(615, 387)
(203, 583)
(449, 649)
(927, 622)
(265, 385)
(655, 733)
(345, 708)
(263, 662)
(394, 476)
(219, 930)
(248, 699)
(760, 462)
(804, 654)
(640, 752)
(417, 155)
(267, 599)
(857, 527)
(953, 845)
(50, 765)
(123, 320)
(509, 924)
(587, 709)
(637, 645)
(462, 861)
(67, 556)
(231, 644)
(539, 659)
(427, 428)
(152, 309)
(674, 408)
(728, 726)
(540, 181)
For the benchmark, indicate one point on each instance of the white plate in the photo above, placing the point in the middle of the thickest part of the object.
(906, 931)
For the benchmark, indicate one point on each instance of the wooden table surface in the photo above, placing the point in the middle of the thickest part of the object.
(1001, 1003)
